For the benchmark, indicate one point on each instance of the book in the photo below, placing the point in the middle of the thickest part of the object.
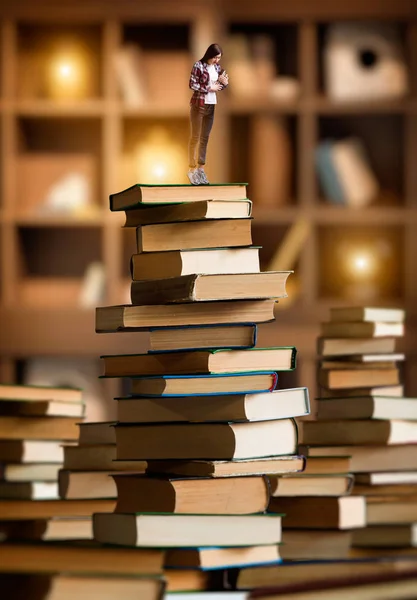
(41, 408)
(31, 451)
(38, 428)
(355, 346)
(280, 404)
(396, 391)
(327, 465)
(363, 329)
(309, 485)
(203, 288)
(70, 528)
(136, 318)
(29, 472)
(387, 478)
(391, 510)
(200, 362)
(371, 407)
(192, 235)
(367, 314)
(364, 459)
(311, 512)
(98, 457)
(237, 335)
(324, 544)
(159, 530)
(394, 489)
(46, 509)
(204, 385)
(28, 490)
(365, 432)
(161, 265)
(363, 361)
(86, 484)
(80, 558)
(36, 393)
(96, 433)
(225, 441)
(220, 468)
(357, 378)
(229, 495)
(146, 214)
(386, 536)
(187, 580)
(221, 558)
(140, 193)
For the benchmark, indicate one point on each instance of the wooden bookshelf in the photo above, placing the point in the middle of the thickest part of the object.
(43, 257)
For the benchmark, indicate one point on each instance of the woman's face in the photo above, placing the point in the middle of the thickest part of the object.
(214, 60)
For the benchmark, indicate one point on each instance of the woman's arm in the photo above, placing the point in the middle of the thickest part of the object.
(197, 78)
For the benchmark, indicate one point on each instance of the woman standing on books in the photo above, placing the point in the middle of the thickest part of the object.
(207, 78)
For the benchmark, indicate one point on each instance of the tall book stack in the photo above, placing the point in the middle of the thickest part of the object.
(203, 410)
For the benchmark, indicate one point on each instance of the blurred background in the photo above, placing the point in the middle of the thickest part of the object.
(320, 118)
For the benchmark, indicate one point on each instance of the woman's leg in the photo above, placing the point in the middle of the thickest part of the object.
(207, 124)
(196, 120)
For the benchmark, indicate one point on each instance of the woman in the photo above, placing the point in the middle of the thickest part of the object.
(207, 78)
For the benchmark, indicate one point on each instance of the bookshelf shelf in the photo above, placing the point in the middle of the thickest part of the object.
(44, 254)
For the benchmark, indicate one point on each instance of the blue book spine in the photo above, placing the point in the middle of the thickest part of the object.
(327, 173)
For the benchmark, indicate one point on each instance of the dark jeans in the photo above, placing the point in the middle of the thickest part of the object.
(201, 121)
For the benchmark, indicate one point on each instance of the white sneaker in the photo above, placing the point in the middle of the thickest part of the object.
(203, 177)
(194, 177)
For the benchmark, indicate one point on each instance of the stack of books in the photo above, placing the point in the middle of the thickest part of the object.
(203, 412)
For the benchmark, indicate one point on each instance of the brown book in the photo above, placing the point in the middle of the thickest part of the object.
(28, 490)
(29, 472)
(38, 428)
(367, 314)
(97, 433)
(86, 485)
(325, 544)
(98, 457)
(217, 558)
(41, 409)
(327, 465)
(388, 390)
(176, 263)
(355, 346)
(185, 531)
(387, 510)
(206, 441)
(136, 318)
(70, 528)
(310, 512)
(192, 211)
(220, 468)
(31, 451)
(200, 362)
(357, 378)
(204, 288)
(45, 509)
(336, 329)
(384, 490)
(211, 336)
(142, 193)
(363, 362)
(192, 235)
(387, 478)
(36, 393)
(223, 496)
(279, 404)
(78, 558)
(364, 459)
(371, 407)
(309, 485)
(322, 433)
(386, 536)
(186, 580)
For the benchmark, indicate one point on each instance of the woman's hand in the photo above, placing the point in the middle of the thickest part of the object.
(224, 78)
(216, 87)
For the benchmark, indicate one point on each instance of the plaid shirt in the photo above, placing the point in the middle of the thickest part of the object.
(200, 81)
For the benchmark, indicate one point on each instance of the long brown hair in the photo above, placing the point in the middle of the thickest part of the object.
(212, 51)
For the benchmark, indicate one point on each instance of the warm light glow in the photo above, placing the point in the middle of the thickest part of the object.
(67, 73)
(159, 159)
(65, 70)
(361, 264)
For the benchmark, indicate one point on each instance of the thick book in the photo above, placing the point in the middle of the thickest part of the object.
(28, 490)
(362, 329)
(322, 433)
(368, 407)
(386, 536)
(81, 558)
(391, 510)
(214, 261)
(80, 485)
(394, 489)
(227, 496)
(101, 432)
(204, 385)
(47, 530)
(363, 361)
(205, 559)
(36, 393)
(334, 379)
(328, 347)
(29, 472)
(277, 465)
(325, 544)
(364, 459)
(280, 404)
(47, 408)
(137, 318)
(193, 235)
(200, 362)
(367, 314)
(310, 485)
(396, 391)
(38, 428)
(327, 465)
(203, 288)
(383, 479)
(147, 214)
(141, 193)
(224, 441)
(98, 457)
(159, 530)
(46, 509)
(237, 335)
(311, 512)
(31, 451)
